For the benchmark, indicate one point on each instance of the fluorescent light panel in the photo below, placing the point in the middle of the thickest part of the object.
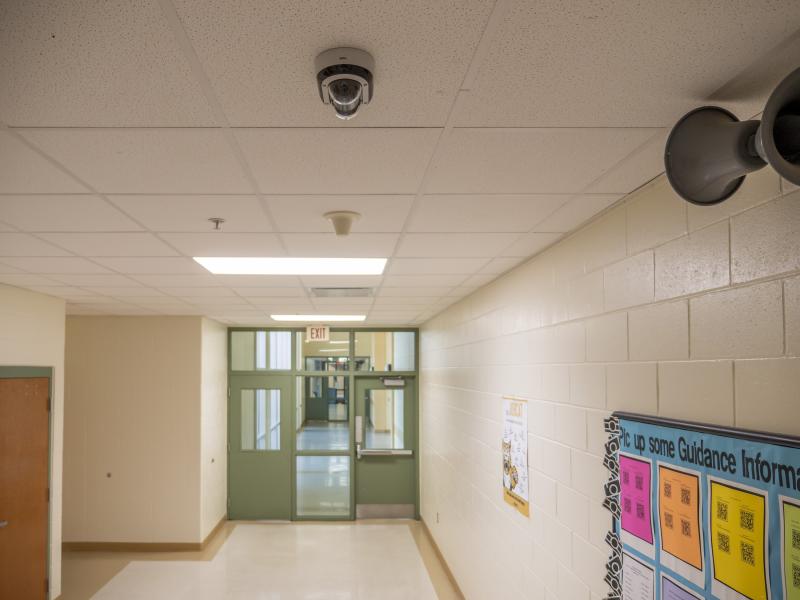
(318, 318)
(261, 265)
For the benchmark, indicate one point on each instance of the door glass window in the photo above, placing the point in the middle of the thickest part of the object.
(261, 350)
(384, 420)
(323, 412)
(323, 486)
(333, 355)
(385, 351)
(261, 419)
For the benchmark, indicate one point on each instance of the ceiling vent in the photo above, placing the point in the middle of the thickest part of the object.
(341, 292)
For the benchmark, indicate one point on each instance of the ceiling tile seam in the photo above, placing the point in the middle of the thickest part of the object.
(91, 191)
(201, 77)
(478, 55)
(620, 162)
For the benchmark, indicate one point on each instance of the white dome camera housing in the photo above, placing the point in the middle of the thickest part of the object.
(344, 79)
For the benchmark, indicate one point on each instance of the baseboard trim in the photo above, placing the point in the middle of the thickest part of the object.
(442, 559)
(143, 546)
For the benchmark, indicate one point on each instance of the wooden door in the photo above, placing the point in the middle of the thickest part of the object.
(24, 493)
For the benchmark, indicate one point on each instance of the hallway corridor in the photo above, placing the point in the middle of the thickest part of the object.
(341, 561)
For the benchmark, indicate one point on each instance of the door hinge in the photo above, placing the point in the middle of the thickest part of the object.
(47, 585)
(49, 403)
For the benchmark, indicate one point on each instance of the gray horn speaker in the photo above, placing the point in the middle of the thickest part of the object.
(709, 151)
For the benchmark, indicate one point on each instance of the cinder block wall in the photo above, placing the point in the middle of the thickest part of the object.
(657, 307)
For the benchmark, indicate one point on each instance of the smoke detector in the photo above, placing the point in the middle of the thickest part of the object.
(342, 220)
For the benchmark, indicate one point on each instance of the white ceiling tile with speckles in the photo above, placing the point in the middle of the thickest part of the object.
(530, 161)
(620, 64)
(338, 161)
(192, 213)
(23, 170)
(85, 63)
(146, 161)
(260, 56)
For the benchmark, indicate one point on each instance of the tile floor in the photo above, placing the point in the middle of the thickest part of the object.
(258, 561)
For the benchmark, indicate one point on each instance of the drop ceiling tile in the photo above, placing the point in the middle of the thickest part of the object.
(391, 301)
(402, 36)
(477, 245)
(341, 302)
(266, 293)
(462, 291)
(149, 265)
(4, 268)
(61, 291)
(205, 280)
(55, 265)
(220, 243)
(111, 244)
(422, 280)
(155, 301)
(126, 291)
(645, 163)
(278, 308)
(369, 281)
(26, 280)
(483, 212)
(379, 214)
(521, 161)
(191, 213)
(84, 63)
(477, 281)
(360, 245)
(422, 292)
(73, 212)
(4, 227)
(255, 281)
(198, 292)
(615, 64)
(146, 161)
(435, 266)
(84, 310)
(498, 266)
(215, 300)
(93, 299)
(111, 280)
(22, 244)
(529, 244)
(22, 170)
(365, 160)
(575, 212)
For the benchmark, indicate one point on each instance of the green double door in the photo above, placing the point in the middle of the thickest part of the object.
(260, 447)
(369, 470)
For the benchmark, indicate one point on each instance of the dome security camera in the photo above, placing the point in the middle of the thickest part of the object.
(344, 78)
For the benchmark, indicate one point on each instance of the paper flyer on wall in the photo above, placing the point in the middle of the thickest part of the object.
(515, 454)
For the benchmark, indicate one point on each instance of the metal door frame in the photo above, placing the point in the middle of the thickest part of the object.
(298, 370)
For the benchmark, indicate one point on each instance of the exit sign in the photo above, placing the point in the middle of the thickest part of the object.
(318, 333)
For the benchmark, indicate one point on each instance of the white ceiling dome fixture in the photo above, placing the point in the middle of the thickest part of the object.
(342, 220)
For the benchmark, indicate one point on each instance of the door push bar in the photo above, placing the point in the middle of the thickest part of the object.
(380, 452)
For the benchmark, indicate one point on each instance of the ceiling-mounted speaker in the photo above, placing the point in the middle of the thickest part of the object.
(709, 151)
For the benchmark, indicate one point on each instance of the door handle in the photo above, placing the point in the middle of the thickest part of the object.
(3, 524)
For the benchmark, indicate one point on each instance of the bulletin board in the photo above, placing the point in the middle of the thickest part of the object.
(700, 511)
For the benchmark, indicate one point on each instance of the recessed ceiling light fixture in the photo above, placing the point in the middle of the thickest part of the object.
(318, 318)
(256, 265)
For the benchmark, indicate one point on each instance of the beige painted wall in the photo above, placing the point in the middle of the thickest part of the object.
(135, 405)
(657, 307)
(213, 424)
(32, 335)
